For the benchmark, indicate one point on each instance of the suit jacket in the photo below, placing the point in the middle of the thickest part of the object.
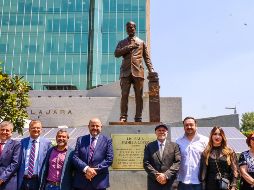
(169, 164)
(67, 172)
(9, 164)
(44, 145)
(132, 60)
(102, 159)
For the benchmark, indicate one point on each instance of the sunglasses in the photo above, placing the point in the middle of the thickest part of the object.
(252, 138)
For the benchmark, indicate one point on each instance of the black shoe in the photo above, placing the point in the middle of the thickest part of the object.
(138, 119)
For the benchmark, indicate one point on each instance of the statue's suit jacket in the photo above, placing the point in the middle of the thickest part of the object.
(67, 171)
(132, 60)
(44, 146)
(9, 164)
(169, 164)
(102, 159)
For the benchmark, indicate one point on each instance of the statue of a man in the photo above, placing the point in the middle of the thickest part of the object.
(133, 50)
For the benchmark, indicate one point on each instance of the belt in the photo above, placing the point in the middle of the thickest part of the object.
(31, 177)
(53, 183)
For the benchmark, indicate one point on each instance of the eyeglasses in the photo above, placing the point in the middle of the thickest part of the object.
(252, 138)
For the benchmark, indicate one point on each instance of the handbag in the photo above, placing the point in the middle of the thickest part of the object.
(223, 182)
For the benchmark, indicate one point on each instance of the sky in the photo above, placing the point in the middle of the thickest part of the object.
(203, 51)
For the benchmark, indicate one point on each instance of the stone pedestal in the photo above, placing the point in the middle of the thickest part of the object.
(154, 97)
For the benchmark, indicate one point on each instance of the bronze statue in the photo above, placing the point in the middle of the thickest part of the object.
(133, 50)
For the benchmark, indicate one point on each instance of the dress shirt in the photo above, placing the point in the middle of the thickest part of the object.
(95, 142)
(3, 144)
(37, 144)
(56, 162)
(161, 146)
(190, 158)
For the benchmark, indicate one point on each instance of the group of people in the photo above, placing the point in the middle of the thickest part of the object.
(196, 162)
(34, 164)
(193, 162)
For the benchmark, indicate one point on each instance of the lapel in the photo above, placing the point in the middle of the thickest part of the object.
(41, 150)
(86, 141)
(165, 149)
(65, 162)
(25, 144)
(157, 152)
(6, 148)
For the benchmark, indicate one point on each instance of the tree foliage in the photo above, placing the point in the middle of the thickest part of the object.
(13, 99)
(247, 122)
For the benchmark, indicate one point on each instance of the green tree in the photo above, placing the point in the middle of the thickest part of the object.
(13, 100)
(247, 122)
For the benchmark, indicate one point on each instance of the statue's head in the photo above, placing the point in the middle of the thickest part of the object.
(131, 28)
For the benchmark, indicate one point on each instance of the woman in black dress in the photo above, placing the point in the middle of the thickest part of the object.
(246, 163)
(218, 158)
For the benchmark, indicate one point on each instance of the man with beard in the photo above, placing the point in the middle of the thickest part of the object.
(9, 157)
(93, 156)
(161, 160)
(192, 144)
(57, 169)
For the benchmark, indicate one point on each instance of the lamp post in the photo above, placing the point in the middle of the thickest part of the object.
(232, 108)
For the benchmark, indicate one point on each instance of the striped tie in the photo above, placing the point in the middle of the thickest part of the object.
(91, 150)
(31, 160)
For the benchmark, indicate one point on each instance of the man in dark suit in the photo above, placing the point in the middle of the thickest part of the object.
(161, 160)
(9, 157)
(133, 50)
(34, 150)
(57, 169)
(93, 156)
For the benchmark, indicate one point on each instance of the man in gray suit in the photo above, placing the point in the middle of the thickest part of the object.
(133, 50)
(161, 160)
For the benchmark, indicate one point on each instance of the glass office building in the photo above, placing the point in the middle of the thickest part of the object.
(67, 44)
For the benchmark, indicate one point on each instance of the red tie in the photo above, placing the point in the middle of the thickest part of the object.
(1, 148)
(31, 160)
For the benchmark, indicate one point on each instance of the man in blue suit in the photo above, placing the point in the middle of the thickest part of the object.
(93, 156)
(9, 157)
(57, 170)
(34, 150)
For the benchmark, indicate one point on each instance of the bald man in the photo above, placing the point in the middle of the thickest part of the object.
(93, 156)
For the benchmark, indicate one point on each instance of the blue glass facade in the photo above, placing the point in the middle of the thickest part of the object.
(66, 42)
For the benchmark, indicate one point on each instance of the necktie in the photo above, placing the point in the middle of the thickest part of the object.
(91, 149)
(1, 148)
(161, 149)
(31, 160)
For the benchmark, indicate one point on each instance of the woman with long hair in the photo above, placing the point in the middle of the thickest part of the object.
(246, 163)
(218, 160)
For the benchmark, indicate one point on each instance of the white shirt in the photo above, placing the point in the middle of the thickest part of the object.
(161, 146)
(3, 144)
(190, 158)
(37, 144)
